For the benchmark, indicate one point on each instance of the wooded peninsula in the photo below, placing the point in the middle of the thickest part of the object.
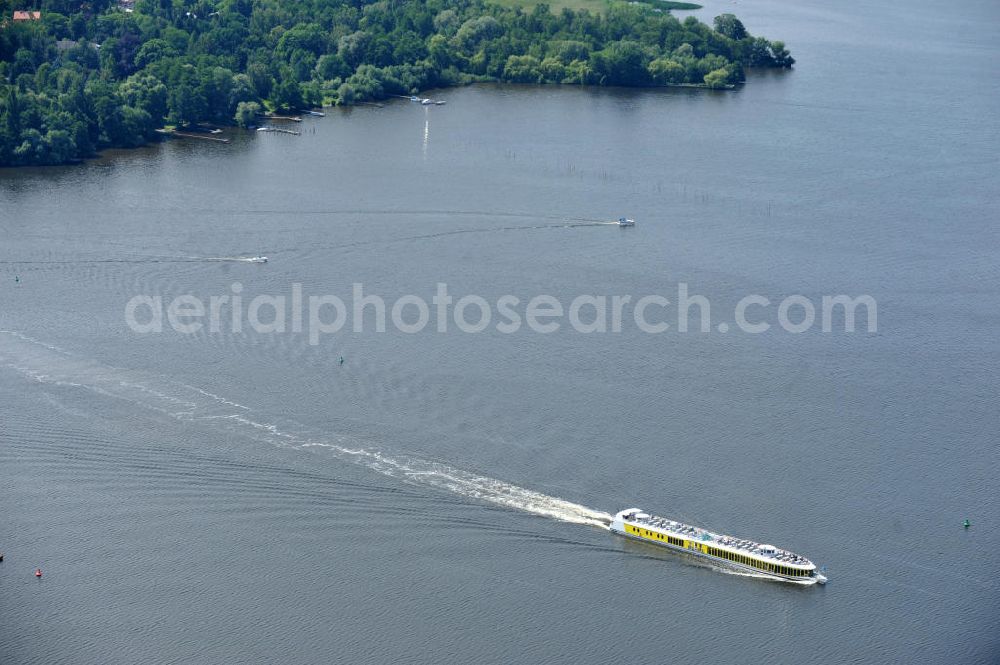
(77, 77)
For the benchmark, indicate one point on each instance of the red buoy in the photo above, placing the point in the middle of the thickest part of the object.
(38, 572)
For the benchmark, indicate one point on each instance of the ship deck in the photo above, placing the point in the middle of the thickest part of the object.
(743, 545)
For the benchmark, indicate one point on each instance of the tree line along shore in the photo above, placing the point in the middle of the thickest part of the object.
(77, 77)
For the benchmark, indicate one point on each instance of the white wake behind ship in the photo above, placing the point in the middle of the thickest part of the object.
(742, 554)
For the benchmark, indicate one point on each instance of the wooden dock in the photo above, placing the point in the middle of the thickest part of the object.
(268, 129)
(186, 135)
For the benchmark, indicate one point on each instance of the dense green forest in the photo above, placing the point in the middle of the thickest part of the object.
(82, 76)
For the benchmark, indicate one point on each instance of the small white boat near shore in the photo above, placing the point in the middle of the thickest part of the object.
(624, 221)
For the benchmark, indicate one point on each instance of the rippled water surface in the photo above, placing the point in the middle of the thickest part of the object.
(440, 497)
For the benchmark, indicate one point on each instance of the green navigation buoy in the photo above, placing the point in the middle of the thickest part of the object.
(341, 360)
(966, 524)
(17, 279)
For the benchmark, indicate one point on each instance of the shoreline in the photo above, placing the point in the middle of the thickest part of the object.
(164, 134)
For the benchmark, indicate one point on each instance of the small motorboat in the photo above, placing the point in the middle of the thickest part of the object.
(257, 259)
(426, 102)
(624, 221)
(266, 129)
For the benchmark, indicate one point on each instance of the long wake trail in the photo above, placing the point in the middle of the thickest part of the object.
(48, 364)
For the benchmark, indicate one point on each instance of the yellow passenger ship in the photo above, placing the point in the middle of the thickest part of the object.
(743, 554)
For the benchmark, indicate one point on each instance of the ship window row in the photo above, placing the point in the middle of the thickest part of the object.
(659, 536)
(725, 554)
(757, 563)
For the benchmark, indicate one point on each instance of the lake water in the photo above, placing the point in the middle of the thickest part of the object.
(245, 497)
